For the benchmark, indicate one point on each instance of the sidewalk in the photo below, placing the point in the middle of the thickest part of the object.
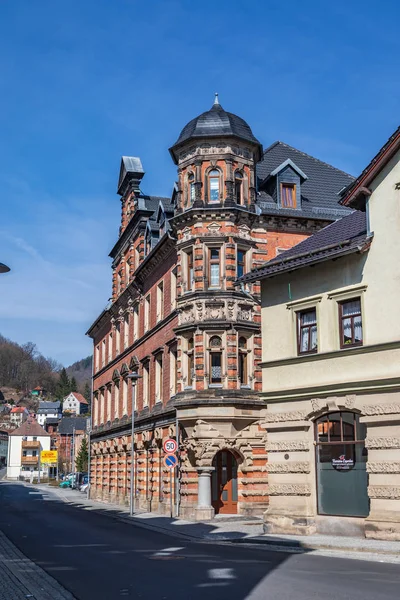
(238, 529)
(20, 578)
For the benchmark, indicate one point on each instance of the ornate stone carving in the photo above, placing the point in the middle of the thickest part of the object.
(391, 492)
(289, 489)
(288, 467)
(381, 443)
(383, 467)
(287, 446)
(381, 409)
(316, 404)
(297, 415)
(350, 401)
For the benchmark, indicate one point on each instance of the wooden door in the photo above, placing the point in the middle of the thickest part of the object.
(224, 483)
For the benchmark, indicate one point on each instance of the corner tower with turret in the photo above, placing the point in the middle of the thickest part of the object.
(179, 319)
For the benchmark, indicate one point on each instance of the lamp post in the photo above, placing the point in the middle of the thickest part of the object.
(134, 378)
(4, 268)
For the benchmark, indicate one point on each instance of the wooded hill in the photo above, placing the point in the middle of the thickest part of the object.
(23, 367)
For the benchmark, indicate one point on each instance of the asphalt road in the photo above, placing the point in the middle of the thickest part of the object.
(98, 558)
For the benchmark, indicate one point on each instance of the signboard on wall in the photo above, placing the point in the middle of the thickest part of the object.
(342, 463)
(48, 457)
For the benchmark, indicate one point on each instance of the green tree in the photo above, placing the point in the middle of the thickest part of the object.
(64, 384)
(88, 393)
(82, 457)
(73, 385)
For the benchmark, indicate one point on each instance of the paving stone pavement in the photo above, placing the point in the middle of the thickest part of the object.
(20, 578)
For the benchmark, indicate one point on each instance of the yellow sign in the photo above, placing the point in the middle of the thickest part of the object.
(48, 457)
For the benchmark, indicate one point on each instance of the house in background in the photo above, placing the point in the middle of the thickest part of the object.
(38, 392)
(3, 448)
(71, 431)
(331, 366)
(48, 410)
(18, 415)
(25, 445)
(76, 404)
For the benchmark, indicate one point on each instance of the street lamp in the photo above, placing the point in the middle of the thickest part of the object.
(4, 268)
(134, 378)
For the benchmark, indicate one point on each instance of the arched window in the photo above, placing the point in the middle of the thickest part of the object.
(239, 187)
(214, 185)
(243, 362)
(191, 189)
(215, 365)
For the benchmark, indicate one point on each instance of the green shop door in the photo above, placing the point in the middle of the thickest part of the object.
(341, 459)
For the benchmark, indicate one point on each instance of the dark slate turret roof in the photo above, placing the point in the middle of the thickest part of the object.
(216, 122)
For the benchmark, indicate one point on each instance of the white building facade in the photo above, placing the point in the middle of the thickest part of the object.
(24, 448)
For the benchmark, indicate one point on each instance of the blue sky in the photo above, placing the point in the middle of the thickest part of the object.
(85, 81)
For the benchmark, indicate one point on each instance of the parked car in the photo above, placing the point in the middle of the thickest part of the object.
(65, 484)
(77, 480)
(84, 482)
(84, 487)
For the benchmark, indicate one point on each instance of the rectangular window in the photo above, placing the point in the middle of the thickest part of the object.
(118, 337)
(136, 322)
(214, 267)
(116, 400)
(108, 403)
(173, 289)
(126, 331)
(124, 396)
(110, 348)
(189, 271)
(97, 361)
(102, 406)
(147, 313)
(351, 333)
(119, 282)
(137, 257)
(146, 384)
(240, 262)
(127, 272)
(288, 195)
(103, 352)
(216, 368)
(160, 301)
(190, 363)
(307, 331)
(159, 377)
(173, 371)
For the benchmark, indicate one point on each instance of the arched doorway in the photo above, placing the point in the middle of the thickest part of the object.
(224, 483)
(341, 461)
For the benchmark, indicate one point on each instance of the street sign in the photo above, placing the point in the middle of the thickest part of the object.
(170, 461)
(48, 457)
(170, 446)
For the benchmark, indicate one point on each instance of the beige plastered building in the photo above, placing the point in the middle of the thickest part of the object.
(331, 367)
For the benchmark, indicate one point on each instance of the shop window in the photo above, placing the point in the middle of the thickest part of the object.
(214, 267)
(351, 333)
(215, 361)
(214, 185)
(307, 331)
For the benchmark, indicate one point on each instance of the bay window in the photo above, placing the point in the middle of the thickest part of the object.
(214, 185)
(214, 262)
(215, 361)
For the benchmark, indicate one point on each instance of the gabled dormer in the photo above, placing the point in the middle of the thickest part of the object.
(164, 213)
(284, 185)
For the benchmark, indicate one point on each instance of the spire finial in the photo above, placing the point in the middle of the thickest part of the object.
(216, 102)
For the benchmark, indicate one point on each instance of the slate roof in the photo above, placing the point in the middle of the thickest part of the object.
(345, 236)
(79, 397)
(67, 425)
(216, 122)
(45, 407)
(319, 193)
(30, 427)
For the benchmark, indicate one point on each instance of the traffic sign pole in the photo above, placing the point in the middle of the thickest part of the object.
(177, 490)
(170, 492)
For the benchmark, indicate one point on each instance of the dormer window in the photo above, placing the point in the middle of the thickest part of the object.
(288, 195)
(191, 188)
(238, 187)
(214, 183)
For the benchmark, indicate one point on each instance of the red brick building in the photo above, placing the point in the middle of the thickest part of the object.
(179, 319)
